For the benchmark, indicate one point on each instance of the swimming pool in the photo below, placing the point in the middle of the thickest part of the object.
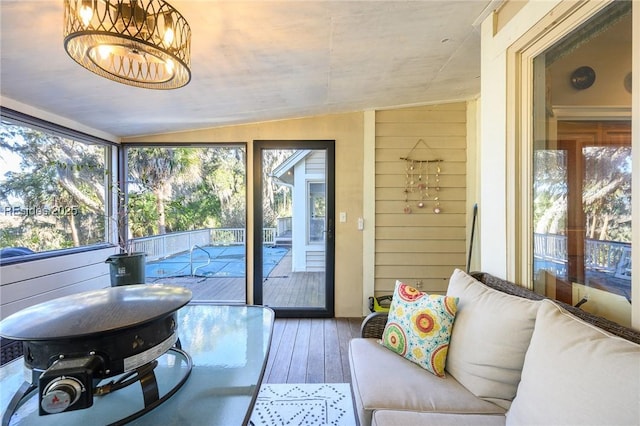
(213, 261)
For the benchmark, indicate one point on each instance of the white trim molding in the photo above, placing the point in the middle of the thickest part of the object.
(577, 113)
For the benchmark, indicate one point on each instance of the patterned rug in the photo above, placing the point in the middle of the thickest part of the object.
(304, 404)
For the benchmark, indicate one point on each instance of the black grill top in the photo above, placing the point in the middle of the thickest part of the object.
(97, 311)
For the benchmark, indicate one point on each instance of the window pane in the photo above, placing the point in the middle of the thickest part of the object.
(52, 190)
(550, 212)
(582, 167)
(317, 212)
(187, 212)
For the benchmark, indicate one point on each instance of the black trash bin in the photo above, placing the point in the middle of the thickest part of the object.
(127, 268)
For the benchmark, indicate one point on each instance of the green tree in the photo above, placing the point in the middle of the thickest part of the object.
(225, 179)
(276, 199)
(157, 170)
(606, 192)
(59, 184)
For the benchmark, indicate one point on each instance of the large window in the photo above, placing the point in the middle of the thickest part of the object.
(581, 183)
(53, 188)
(186, 210)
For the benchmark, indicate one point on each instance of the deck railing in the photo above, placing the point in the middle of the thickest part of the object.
(230, 236)
(161, 246)
(605, 256)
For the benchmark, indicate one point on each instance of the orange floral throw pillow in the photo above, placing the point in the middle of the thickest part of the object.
(419, 327)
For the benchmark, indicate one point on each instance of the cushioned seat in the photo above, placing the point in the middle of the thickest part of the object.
(384, 380)
(580, 374)
(514, 358)
(407, 418)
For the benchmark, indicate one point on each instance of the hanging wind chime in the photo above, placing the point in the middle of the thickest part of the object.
(417, 174)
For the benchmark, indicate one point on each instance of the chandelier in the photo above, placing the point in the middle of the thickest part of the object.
(142, 43)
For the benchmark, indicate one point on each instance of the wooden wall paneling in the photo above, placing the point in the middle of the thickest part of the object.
(396, 206)
(417, 220)
(421, 246)
(417, 129)
(444, 154)
(386, 286)
(424, 246)
(397, 181)
(453, 106)
(435, 142)
(391, 168)
(406, 233)
(422, 116)
(384, 194)
(417, 258)
(418, 272)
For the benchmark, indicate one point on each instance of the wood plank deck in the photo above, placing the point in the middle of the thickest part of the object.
(215, 289)
(311, 350)
(282, 288)
(285, 288)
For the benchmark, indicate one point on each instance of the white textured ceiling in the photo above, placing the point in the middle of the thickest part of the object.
(255, 61)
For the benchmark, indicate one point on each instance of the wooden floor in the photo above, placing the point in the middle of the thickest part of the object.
(311, 350)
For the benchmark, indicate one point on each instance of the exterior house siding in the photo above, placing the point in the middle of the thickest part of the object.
(421, 246)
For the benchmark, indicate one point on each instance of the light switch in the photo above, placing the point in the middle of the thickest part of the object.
(343, 217)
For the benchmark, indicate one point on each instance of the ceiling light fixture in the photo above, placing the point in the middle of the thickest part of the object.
(142, 43)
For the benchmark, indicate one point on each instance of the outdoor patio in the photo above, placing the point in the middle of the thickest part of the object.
(282, 288)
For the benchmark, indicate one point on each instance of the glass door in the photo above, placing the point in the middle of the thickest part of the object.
(294, 241)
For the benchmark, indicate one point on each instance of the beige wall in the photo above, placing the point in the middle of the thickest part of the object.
(347, 130)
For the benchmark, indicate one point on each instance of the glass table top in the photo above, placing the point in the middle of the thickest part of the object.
(229, 346)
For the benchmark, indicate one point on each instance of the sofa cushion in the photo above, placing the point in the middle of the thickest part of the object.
(576, 374)
(414, 418)
(489, 339)
(383, 380)
(419, 327)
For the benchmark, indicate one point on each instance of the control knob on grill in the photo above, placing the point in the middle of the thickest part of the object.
(60, 394)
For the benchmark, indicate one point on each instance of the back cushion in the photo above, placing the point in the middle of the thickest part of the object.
(576, 374)
(490, 337)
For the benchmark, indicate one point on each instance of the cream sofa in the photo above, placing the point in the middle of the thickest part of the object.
(513, 359)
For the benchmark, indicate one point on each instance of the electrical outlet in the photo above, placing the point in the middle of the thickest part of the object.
(343, 217)
(419, 284)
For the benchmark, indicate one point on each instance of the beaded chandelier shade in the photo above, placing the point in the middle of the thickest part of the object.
(142, 43)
